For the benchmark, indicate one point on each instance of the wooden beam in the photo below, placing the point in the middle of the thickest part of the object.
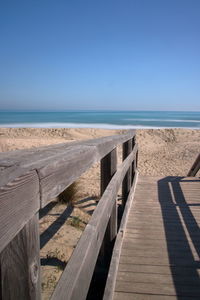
(134, 163)
(58, 174)
(126, 185)
(108, 169)
(19, 201)
(20, 265)
(59, 165)
(195, 167)
(112, 275)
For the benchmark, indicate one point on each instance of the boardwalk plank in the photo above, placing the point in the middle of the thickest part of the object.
(158, 278)
(161, 244)
(135, 296)
(157, 288)
(165, 270)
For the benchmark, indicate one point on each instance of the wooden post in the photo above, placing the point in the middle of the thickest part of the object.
(20, 265)
(126, 185)
(195, 167)
(108, 169)
(136, 160)
(134, 164)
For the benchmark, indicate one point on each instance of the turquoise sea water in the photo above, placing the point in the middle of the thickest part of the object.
(101, 119)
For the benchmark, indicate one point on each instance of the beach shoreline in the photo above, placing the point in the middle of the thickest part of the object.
(101, 119)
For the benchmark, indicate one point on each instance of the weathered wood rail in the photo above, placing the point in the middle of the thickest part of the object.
(29, 180)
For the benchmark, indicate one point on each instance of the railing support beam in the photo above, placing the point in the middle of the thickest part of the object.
(126, 185)
(108, 169)
(195, 167)
(20, 265)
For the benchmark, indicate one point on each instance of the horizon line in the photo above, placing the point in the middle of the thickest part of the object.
(96, 110)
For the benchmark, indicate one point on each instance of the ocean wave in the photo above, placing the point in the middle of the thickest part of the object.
(72, 125)
(163, 120)
(86, 125)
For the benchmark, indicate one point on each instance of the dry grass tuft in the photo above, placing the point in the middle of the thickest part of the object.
(69, 195)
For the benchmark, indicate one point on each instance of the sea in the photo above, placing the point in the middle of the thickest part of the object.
(101, 119)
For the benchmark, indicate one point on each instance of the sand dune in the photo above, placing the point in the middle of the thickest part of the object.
(161, 151)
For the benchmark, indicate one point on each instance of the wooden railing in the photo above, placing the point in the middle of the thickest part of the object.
(29, 180)
(195, 167)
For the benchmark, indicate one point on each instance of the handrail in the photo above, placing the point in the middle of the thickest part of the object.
(82, 263)
(29, 180)
(195, 167)
(114, 264)
(53, 163)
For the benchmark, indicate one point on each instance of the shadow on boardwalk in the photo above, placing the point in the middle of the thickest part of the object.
(182, 236)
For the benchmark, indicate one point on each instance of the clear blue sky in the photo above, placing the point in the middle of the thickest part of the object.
(119, 54)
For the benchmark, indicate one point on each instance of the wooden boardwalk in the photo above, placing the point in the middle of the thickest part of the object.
(161, 245)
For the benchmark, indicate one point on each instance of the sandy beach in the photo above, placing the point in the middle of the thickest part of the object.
(161, 152)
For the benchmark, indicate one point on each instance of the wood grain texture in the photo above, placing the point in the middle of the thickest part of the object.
(20, 265)
(60, 173)
(160, 251)
(114, 264)
(108, 169)
(105, 145)
(19, 201)
(126, 185)
(57, 165)
(158, 289)
(136, 296)
(134, 163)
(77, 275)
